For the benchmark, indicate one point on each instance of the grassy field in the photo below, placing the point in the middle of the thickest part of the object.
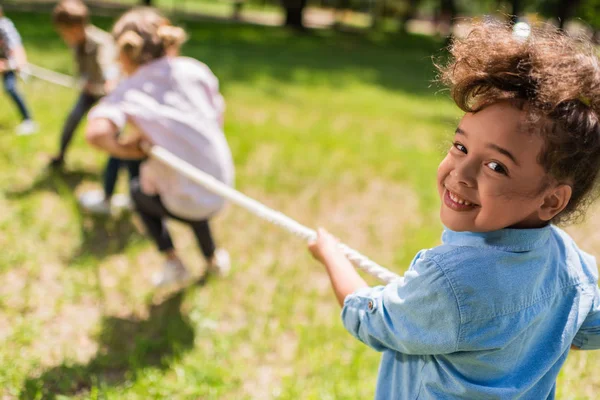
(335, 130)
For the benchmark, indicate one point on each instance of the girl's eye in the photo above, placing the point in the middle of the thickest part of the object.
(497, 167)
(459, 147)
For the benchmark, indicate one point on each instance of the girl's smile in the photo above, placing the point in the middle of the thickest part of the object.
(456, 202)
(491, 178)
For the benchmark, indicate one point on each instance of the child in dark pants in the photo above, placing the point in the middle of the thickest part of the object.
(95, 60)
(12, 60)
(173, 102)
(94, 53)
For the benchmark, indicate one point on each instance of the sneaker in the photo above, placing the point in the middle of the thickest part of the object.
(220, 263)
(27, 127)
(95, 202)
(121, 202)
(173, 272)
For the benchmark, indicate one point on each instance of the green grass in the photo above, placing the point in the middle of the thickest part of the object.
(336, 130)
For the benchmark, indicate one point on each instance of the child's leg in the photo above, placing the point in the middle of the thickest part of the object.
(204, 237)
(83, 105)
(10, 85)
(111, 173)
(218, 262)
(152, 212)
(133, 167)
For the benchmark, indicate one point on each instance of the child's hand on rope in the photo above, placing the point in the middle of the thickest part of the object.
(135, 147)
(343, 276)
(136, 140)
(325, 247)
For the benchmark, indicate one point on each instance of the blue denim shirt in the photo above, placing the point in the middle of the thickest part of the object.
(483, 316)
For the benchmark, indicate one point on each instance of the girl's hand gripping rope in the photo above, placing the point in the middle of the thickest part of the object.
(324, 247)
(103, 134)
(344, 278)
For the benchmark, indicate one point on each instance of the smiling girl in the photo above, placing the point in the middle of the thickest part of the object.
(492, 312)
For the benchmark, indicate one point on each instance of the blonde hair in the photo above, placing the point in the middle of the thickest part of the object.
(70, 13)
(143, 35)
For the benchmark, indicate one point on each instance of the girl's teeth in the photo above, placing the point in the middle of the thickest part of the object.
(458, 200)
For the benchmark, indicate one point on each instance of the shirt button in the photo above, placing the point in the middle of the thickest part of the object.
(370, 305)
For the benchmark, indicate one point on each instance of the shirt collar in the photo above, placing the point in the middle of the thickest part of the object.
(515, 240)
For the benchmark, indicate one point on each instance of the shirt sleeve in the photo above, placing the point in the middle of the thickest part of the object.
(418, 314)
(218, 101)
(99, 65)
(109, 108)
(13, 39)
(588, 336)
(106, 60)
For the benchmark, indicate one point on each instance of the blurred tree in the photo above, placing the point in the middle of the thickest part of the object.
(566, 9)
(448, 7)
(447, 16)
(515, 10)
(589, 11)
(341, 7)
(409, 13)
(146, 2)
(563, 10)
(294, 10)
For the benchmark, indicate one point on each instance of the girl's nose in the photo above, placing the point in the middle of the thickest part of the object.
(464, 174)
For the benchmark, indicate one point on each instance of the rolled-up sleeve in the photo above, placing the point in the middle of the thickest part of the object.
(588, 336)
(108, 108)
(418, 314)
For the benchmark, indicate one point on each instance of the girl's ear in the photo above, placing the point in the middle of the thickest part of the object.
(554, 202)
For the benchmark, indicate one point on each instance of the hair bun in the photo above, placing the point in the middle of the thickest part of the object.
(171, 35)
(131, 42)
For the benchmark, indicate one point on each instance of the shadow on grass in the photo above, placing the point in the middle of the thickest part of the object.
(62, 182)
(102, 236)
(126, 347)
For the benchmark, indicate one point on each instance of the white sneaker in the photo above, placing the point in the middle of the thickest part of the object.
(27, 127)
(121, 202)
(220, 264)
(173, 272)
(94, 202)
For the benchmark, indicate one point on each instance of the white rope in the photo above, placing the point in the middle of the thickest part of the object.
(49, 76)
(262, 211)
(215, 186)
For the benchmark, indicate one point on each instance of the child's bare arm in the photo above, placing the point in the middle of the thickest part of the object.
(102, 133)
(344, 278)
(20, 57)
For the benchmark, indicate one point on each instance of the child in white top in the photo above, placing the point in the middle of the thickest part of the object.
(172, 102)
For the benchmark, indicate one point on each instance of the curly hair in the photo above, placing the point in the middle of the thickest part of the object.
(555, 79)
